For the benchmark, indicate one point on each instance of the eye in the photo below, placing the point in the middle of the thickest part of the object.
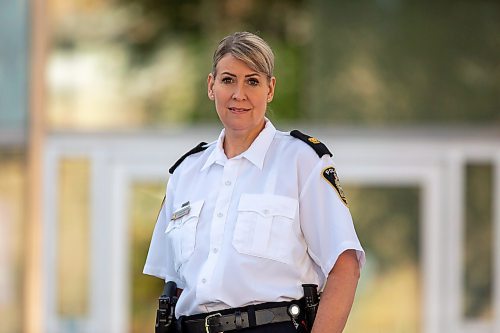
(253, 81)
(227, 80)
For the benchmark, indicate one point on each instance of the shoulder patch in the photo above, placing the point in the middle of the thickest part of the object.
(200, 147)
(330, 175)
(314, 143)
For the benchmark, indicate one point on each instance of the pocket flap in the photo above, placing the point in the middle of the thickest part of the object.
(268, 205)
(196, 208)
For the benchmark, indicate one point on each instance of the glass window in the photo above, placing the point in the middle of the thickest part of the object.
(73, 239)
(12, 218)
(478, 260)
(145, 289)
(389, 293)
(13, 66)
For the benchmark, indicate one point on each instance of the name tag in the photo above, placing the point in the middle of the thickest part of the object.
(183, 211)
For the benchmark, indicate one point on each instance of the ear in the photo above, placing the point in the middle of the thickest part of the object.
(271, 86)
(210, 86)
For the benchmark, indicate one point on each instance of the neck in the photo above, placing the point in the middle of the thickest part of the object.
(236, 142)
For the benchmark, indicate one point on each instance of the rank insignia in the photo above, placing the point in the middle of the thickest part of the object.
(331, 177)
(314, 140)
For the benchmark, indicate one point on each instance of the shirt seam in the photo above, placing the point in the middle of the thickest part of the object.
(309, 179)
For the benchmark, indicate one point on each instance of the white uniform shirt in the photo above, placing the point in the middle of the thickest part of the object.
(260, 225)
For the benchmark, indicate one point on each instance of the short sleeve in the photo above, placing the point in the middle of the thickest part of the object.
(158, 261)
(325, 218)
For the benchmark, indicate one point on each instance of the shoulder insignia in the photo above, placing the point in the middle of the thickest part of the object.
(200, 147)
(330, 175)
(314, 143)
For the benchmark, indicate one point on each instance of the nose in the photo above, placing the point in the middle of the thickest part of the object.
(239, 93)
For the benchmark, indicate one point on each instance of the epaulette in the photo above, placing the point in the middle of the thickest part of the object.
(200, 147)
(315, 144)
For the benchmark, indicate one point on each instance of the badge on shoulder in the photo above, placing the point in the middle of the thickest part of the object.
(183, 211)
(330, 175)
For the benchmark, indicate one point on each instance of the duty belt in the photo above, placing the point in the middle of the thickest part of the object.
(238, 318)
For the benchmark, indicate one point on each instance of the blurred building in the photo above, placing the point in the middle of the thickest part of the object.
(14, 105)
(91, 119)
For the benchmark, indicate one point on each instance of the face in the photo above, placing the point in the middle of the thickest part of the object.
(241, 95)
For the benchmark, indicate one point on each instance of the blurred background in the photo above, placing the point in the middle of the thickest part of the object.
(98, 98)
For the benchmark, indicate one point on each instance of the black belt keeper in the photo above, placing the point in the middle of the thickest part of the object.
(251, 316)
(238, 321)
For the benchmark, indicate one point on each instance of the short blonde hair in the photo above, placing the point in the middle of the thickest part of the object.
(249, 48)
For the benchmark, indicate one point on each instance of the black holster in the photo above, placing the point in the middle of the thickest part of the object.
(165, 315)
(311, 304)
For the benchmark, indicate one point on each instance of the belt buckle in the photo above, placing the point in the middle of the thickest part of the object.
(207, 327)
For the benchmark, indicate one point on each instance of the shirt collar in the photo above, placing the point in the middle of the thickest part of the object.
(217, 155)
(255, 153)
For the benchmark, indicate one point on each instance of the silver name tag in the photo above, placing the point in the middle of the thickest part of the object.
(183, 211)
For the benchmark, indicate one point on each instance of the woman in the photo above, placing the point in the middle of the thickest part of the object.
(254, 215)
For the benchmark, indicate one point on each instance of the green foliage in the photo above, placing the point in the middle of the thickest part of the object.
(287, 102)
(478, 260)
(157, 22)
(198, 25)
(406, 62)
(337, 62)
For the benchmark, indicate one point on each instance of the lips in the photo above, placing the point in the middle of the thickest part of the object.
(238, 110)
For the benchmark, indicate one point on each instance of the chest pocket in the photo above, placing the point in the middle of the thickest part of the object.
(265, 226)
(181, 233)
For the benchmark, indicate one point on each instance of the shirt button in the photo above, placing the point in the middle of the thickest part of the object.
(228, 182)
(203, 280)
(220, 215)
(266, 211)
(215, 250)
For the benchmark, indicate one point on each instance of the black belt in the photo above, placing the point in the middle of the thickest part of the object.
(237, 318)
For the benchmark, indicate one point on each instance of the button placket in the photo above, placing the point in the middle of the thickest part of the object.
(219, 220)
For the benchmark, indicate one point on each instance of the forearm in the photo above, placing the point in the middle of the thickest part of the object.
(338, 295)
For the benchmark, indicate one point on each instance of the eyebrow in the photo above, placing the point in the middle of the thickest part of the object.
(248, 75)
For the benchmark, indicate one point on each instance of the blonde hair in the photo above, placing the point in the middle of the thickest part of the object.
(249, 48)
